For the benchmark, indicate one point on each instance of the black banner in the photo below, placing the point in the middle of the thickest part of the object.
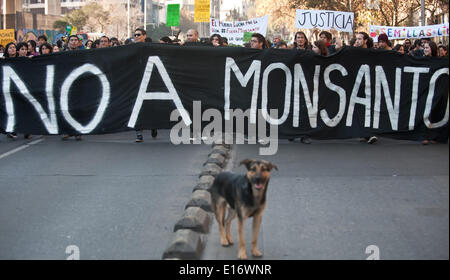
(354, 93)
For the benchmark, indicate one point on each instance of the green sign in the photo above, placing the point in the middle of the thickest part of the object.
(68, 28)
(247, 37)
(173, 15)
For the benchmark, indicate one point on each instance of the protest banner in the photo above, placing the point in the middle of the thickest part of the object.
(234, 31)
(308, 19)
(413, 32)
(173, 15)
(202, 10)
(358, 92)
(7, 36)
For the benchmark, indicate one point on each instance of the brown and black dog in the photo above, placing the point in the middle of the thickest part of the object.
(244, 196)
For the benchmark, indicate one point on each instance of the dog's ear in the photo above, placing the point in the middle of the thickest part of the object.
(271, 165)
(246, 162)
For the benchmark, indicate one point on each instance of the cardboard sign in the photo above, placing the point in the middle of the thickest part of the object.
(202, 8)
(308, 19)
(173, 15)
(235, 31)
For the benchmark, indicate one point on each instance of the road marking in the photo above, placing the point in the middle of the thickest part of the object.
(23, 147)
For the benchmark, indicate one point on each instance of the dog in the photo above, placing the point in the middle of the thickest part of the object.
(245, 197)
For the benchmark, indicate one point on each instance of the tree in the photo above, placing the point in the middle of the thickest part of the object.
(102, 16)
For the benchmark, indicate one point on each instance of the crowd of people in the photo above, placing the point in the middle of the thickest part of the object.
(325, 44)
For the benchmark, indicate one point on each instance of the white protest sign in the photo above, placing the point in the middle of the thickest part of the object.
(234, 30)
(403, 32)
(308, 19)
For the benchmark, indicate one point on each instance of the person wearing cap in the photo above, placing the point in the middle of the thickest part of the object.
(383, 42)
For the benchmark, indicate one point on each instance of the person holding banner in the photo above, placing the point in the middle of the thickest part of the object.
(140, 36)
(443, 51)
(192, 37)
(301, 42)
(216, 40)
(10, 50)
(258, 41)
(73, 43)
(363, 40)
(430, 49)
(383, 42)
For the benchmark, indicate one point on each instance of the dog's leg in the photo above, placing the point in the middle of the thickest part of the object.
(230, 217)
(257, 219)
(242, 254)
(220, 216)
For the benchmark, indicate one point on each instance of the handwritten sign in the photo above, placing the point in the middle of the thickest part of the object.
(308, 19)
(234, 31)
(202, 8)
(7, 36)
(403, 32)
(173, 15)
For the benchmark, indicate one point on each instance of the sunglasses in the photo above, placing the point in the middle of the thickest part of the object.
(137, 35)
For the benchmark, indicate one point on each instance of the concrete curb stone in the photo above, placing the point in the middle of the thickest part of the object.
(190, 231)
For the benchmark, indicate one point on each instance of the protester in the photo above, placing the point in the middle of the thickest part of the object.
(225, 41)
(383, 42)
(114, 42)
(140, 35)
(73, 44)
(399, 48)
(2, 50)
(417, 49)
(165, 40)
(45, 48)
(276, 40)
(301, 42)
(257, 41)
(407, 45)
(319, 47)
(32, 48)
(41, 40)
(56, 48)
(95, 44)
(22, 49)
(192, 38)
(281, 45)
(363, 40)
(88, 44)
(104, 42)
(430, 49)
(216, 40)
(443, 51)
(10, 50)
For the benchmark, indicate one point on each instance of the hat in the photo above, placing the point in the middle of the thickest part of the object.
(383, 37)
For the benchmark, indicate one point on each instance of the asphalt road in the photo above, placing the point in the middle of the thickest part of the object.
(115, 199)
(333, 199)
(109, 196)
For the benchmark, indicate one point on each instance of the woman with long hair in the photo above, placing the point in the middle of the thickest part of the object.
(301, 42)
(10, 50)
(319, 47)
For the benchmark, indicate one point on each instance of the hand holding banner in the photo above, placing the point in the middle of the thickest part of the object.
(308, 19)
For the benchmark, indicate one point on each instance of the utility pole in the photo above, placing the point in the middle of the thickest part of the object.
(422, 11)
(128, 19)
(145, 15)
